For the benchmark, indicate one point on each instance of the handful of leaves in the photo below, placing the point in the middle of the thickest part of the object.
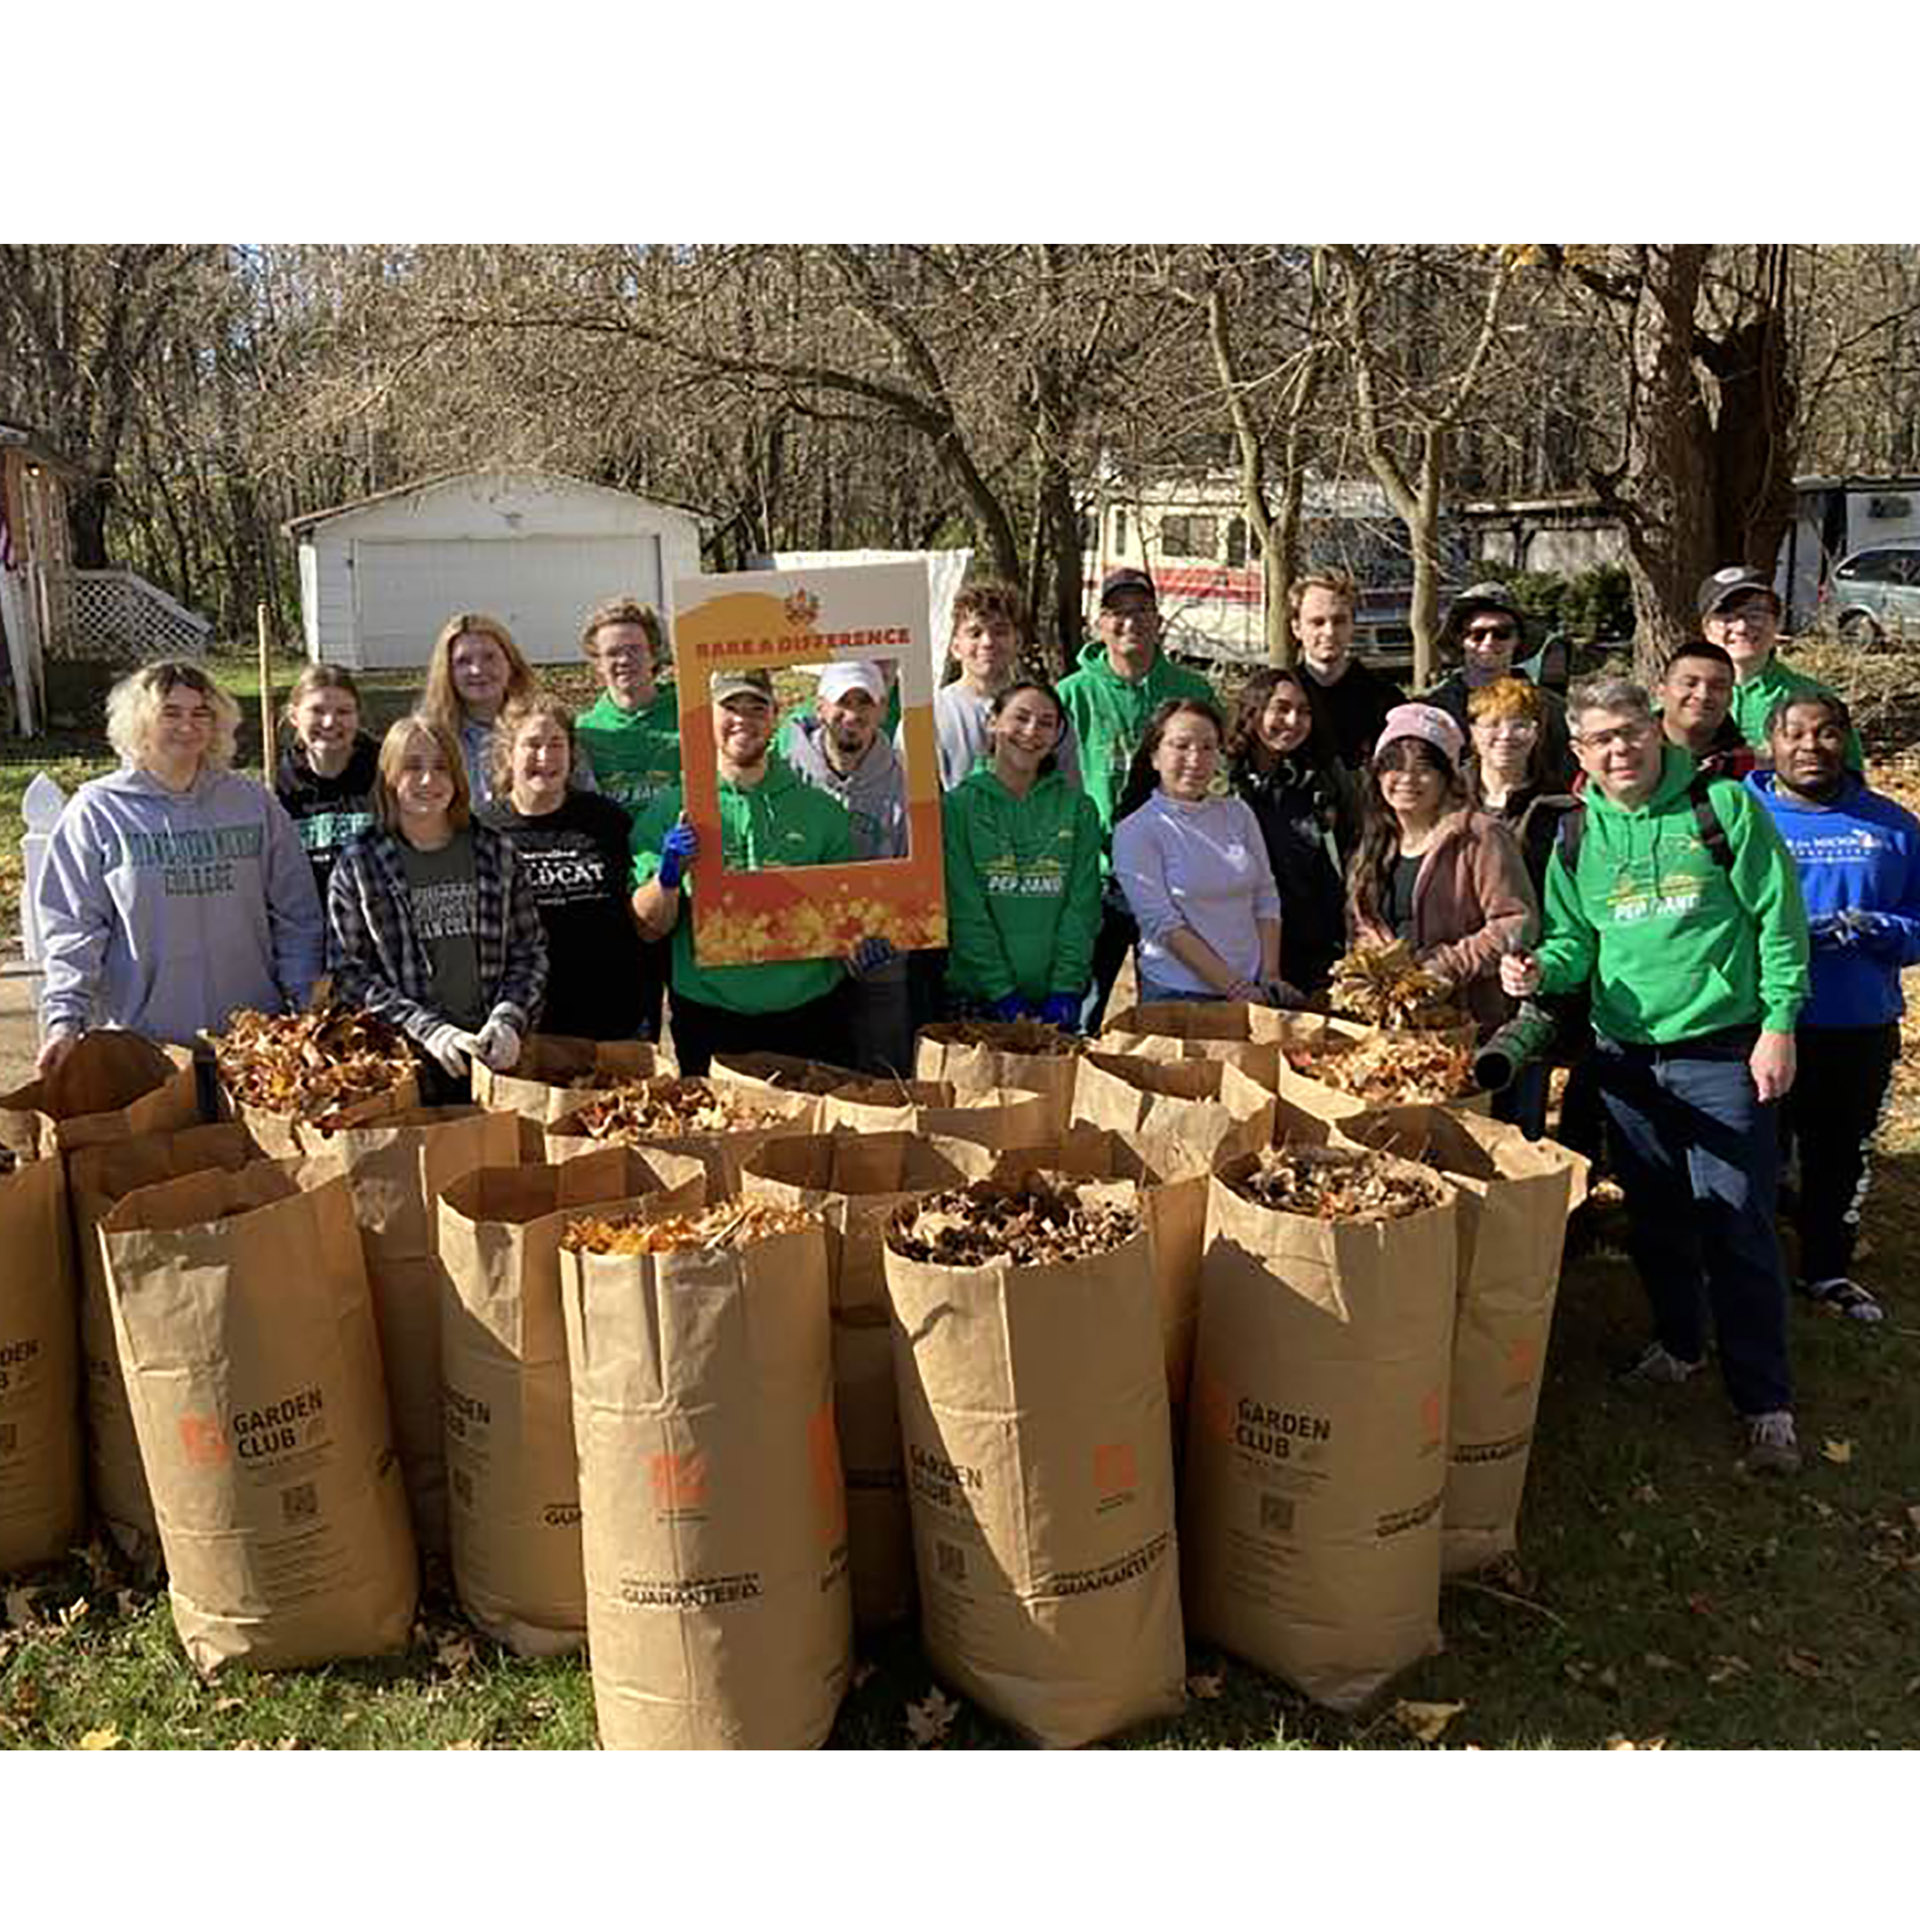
(735, 1223)
(311, 1066)
(1036, 1218)
(1006, 1036)
(1326, 1184)
(1387, 987)
(1389, 1068)
(666, 1110)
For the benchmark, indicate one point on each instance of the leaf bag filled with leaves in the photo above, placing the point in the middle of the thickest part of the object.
(42, 1488)
(98, 1179)
(720, 1125)
(1332, 1070)
(294, 1079)
(778, 1073)
(1033, 1408)
(713, 1513)
(976, 1054)
(1316, 1432)
(247, 1337)
(111, 1086)
(1192, 1112)
(850, 1183)
(396, 1170)
(513, 1486)
(1514, 1196)
(1231, 1030)
(997, 1117)
(554, 1074)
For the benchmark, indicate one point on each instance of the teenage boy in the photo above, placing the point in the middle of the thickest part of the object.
(989, 627)
(630, 738)
(1681, 909)
(1740, 611)
(1350, 702)
(768, 818)
(1696, 710)
(1487, 630)
(841, 748)
(1859, 860)
(1122, 677)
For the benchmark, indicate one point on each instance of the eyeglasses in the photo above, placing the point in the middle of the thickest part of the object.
(1634, 734)
(1507, 729)
(1757, 615)
(1505, 631)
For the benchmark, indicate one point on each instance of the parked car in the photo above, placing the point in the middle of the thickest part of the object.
(1874, 593)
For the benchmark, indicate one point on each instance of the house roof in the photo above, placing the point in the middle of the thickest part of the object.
(28, 440)
(302, 522)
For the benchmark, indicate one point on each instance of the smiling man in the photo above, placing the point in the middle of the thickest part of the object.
(1696, 710)
(1859, 861)
(1350, 702)
(1678, 904)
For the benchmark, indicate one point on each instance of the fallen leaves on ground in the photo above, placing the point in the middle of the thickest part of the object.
(1840, 1452)
(1427, 1720)
(929, 1720)
(20, 1614)
(1205, 1686)
(100, 1739)
(1809, 1666)
(1619, 1743)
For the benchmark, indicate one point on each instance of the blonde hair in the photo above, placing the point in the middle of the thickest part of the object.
(393, 751)
(133, 711)
(624, 611)
(536, 706)
(440, 702)
(1334, 580)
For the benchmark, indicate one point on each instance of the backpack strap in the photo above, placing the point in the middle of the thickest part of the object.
(1573, 824)
(1713, 836)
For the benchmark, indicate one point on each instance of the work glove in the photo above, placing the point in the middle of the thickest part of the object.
(1284, 995)
(871, 954)
(1011, 1007)
(1877, 934)
(498, 1044)
(453, 1048)
(1825, 934)
(1062, 1010)
(678, 850)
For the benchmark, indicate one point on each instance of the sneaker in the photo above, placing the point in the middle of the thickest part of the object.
(1772, 1444)
(1846, 1297)
(1656, 1367)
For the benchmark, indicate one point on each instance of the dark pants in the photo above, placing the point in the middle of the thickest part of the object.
(1697, 1158)
(1583, 1121)
(1523, 1102)
(815, 1030)
(1840, 1086)
(656, 969)
(1118, 932)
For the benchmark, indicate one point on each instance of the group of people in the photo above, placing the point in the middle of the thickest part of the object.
(1694, 875)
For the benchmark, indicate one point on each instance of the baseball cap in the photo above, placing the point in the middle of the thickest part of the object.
(1415, 720)
(755, 680)
(1718, 588)
(1127, 580)
(845, 676)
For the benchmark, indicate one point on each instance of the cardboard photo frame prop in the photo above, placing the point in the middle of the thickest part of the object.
(781, 620)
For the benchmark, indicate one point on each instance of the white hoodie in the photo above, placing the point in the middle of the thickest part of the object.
(167, 912)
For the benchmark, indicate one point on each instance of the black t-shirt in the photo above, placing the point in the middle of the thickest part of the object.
(576, 860)
(329, 810)
(1350, 713)
(1406, 876)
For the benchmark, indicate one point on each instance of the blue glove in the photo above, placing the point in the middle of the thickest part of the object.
(1011, 1008)
(678, 851)
(1062, 1010)
(872, 952)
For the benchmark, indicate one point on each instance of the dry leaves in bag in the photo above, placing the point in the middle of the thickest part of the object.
(1326, 1184)
(1388, 1068)
(1034, 1219)
(1007, 1036)
(310, 1066)
(1386, 987)
(667, 1110)
(729, 1223)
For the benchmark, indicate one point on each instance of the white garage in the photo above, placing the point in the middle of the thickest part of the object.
(379, 577)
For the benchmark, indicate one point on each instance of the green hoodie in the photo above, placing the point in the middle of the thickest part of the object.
(1110, 714)
(1755, 700)
(1023, 888)
(1676, 947)
(782, 822)
(634, 756)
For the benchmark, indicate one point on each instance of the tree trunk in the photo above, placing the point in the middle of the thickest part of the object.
(1423, 535)
(87, 506)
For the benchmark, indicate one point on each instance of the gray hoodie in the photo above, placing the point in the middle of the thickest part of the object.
(167, 912)
(960, 728)
(874, 793)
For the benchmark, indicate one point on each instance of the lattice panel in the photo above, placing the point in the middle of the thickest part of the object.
(117, 616)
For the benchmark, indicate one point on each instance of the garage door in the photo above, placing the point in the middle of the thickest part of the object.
(406, 590)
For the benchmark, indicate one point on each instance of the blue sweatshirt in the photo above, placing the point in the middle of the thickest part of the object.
(166, 912)
(1860, 852)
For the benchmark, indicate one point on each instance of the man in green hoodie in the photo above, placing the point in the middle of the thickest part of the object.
(1122, 677)
(1681, 908)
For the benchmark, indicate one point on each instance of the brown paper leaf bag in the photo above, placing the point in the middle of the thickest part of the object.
(1190, 1113)
(540, 1086)
(1232, 1030)
(36, 1122)
(1514, 1198)
(1033, 1409)
(778, 1073)
(42, 1489)
(995, 1116)
(714, 1512)
(771, 1115)
(247, 1339)
(512, 1480)
(940, 1055)
(1316, 1439)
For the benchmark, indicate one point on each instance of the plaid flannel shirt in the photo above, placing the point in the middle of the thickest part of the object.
(379, 961)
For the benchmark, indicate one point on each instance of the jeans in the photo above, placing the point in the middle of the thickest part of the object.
(1118, 932)
(1839, 1089)
(1151, 993)
(1697, 1158)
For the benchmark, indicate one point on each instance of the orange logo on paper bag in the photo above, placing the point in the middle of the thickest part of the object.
(1521, 1355)
(202, 1441)
(1115, 1469)
(829, 1484)
(679, 1481)
(1215, 1406)
(1430, 1416)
